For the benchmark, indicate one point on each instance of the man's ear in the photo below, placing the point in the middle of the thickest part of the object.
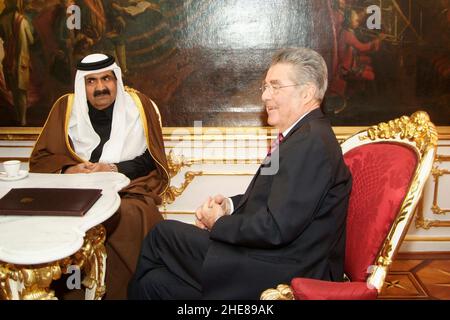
(309, 92)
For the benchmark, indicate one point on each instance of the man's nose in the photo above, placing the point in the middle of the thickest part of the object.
(100, 85)
(266, 94)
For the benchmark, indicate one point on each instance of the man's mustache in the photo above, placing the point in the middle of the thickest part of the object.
(101, 92)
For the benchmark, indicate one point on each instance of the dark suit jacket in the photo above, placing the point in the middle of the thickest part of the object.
(291, 224)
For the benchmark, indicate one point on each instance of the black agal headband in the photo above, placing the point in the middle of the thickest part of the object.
(97, 65)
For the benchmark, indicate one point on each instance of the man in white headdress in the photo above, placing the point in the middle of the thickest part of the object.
(104, 126)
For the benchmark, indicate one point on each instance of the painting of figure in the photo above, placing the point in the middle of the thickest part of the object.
(16, 32)
(203, 60)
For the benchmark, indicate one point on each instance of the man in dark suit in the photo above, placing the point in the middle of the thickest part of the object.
(289, 223)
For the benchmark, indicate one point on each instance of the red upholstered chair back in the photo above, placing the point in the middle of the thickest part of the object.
(390, 163)
(382, 173)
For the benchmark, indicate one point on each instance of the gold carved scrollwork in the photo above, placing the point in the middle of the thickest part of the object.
(417, 128)
(5, 276)
(173, 192)
(383, 259)
(37, 282)
(176, 163)
(437, 173)
(281, 292)
(32, 282)
(426, 224)
(90, 258)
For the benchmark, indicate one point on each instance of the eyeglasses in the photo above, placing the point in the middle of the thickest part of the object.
(274, 88)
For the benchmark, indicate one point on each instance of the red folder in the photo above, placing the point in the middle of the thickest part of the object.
(48, 201)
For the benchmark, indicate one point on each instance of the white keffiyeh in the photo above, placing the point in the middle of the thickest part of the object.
(127, 139)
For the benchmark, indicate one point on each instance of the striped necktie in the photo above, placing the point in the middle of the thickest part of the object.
(275, 143)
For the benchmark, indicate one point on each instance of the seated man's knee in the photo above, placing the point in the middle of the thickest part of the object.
(159, 234)
(164, 227)
(149, 287)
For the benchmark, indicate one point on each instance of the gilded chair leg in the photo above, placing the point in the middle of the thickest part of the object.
(282, 292)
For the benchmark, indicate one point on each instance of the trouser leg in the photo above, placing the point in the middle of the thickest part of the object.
(170, 263)
(162, 284)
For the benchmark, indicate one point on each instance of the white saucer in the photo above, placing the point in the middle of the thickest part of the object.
(22, 174)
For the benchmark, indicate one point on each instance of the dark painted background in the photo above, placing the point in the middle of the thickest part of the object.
(204, 60)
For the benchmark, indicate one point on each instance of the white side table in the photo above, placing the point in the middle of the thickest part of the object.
(35, 250)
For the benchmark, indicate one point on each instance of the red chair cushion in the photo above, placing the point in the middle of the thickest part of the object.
(381, 174)
(312, 289)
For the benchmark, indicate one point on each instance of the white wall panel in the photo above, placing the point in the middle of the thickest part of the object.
(226, 163)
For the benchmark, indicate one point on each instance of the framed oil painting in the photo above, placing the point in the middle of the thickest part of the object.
(205, 59)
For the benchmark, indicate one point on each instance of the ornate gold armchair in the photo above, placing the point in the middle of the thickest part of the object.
(389, 163)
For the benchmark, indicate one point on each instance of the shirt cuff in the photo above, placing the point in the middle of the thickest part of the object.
(230, 205)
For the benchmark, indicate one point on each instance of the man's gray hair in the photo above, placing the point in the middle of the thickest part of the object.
(309, 67)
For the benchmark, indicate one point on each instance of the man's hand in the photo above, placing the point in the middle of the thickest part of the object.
(84, 167)
(89, 167)
(198, 218)
(208, 213)
(223, 202)
(103, 167)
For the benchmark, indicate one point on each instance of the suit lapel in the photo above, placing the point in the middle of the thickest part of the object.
(249, 188)
(315, 114)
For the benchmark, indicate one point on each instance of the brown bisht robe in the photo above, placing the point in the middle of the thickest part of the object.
(138, 210)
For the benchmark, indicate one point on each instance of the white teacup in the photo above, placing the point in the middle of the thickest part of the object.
(12, 167)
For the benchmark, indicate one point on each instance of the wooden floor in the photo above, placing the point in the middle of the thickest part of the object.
(418, 276)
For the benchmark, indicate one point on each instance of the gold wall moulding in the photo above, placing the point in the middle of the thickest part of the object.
(427, 224)
(437, 174)
(422, 223)
(442, 158)
(177, 162)
(427, 238)
(19, 133)
(174, 192)
(31, 133)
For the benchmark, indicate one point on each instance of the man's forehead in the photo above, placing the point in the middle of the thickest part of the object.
(279, 72)
(99, 74)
